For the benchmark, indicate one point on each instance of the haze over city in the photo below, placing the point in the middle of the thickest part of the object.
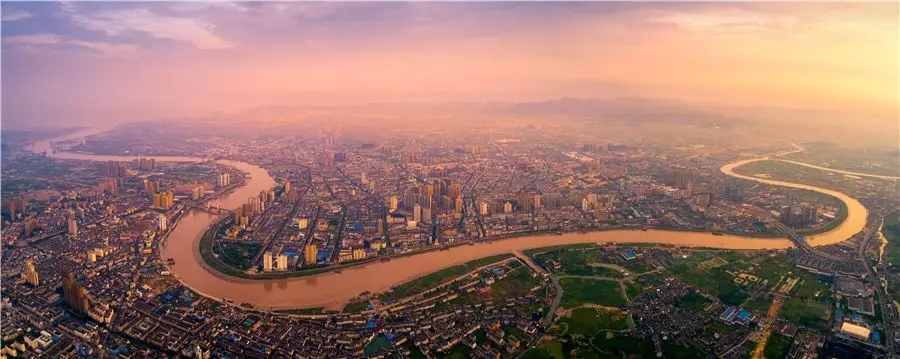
(503, 180)
(112, 62)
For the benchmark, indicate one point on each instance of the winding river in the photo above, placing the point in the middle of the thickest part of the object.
(332, 290)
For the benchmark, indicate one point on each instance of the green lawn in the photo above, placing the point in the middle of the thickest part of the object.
(307, 311)
(550, 349)
(579, 262)
(588, 321)
(633, 289)
(714, 281)
(578, 291)
(808, 313)
(445, 275)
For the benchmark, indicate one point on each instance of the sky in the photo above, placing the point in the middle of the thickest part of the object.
(102, 62)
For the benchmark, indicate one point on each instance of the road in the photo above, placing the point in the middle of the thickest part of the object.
(885, 302)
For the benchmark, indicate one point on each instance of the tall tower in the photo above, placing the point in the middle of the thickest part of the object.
(162, 222)
(310, 254)
(30, 275)
(73, 227)
(75, 295)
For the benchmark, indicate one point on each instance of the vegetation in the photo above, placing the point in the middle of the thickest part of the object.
(445, 275)
(578, 291)
(623, 345)
(633, 289)
(550, 349)
(891, 232)
(588, 321)
(517, 282)
(237, 254)
(692, 302)
(532, 252)
(356, 306)
(777, 346)
(806, 312)
(303, 311)
(578, 262)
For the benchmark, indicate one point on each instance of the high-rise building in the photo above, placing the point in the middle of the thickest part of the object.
(483, 208)
(168, 200)
(309, 254)
(287, 186)
(417, 213)
(282, 262)
(75, 295)
(394, 203)
(537, 201)
(507, 207)
(73, 227)
(682, 178)
(197, 193)
(302, 223)
(267, 262)
(223, 180)
(359, 253)
(158, 200)
(458, 204)
(14, 207)
(30, 274)
(162, 222)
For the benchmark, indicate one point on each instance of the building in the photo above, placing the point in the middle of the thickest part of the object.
(75, 295)
(359, 253)
(417, 213)
(310, 252)
(855, 331)
(197, 193)
(394, 203)
(73, 227)
(302, 223)
(282, 262)
(223, 180)
(287, 186)
(30, 274)
(483, 208)
(162, 222)
(267, 262)
(507, 207)
(14, 207)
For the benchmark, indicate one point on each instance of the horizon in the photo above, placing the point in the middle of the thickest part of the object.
(118, 62)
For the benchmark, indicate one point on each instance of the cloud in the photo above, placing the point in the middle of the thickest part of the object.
(45, 40)
(728, 21)
(15, 15)
(36, 39)
(123, 21)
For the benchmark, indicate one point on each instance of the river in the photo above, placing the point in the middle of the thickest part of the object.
(332, 290)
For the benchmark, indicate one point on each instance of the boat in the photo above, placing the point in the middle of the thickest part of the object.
(471, 243)
(385, 259)
(644, 229)
(718, 233)
(338, 271)
(445, 248)
(226, 300)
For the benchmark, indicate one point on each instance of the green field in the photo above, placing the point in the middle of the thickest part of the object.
(633, 289)
(777, 346)
(891, 231)
(532, 252)
(589, 321)
(615, 345)
(808, 313)
(578, 291)
(445, 275)
(302, 311)
(518, 282)
(579, 262)
(550, 349)
(715, 281)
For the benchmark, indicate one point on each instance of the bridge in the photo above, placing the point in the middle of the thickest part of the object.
(209, 208)
(801, 242)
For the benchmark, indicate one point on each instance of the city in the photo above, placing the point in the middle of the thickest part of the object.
(565, 223)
